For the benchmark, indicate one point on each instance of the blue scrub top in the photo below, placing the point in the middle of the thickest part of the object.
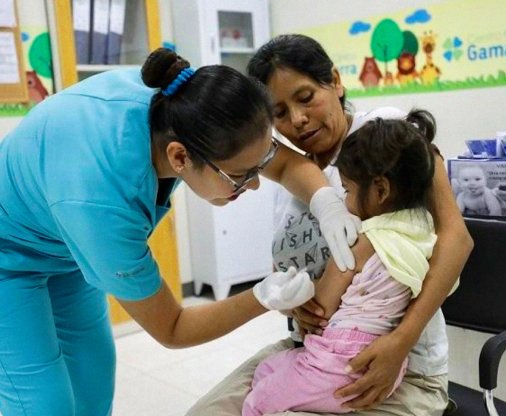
(78, 189)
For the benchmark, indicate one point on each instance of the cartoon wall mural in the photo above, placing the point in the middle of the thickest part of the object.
(406, 68)
(39, 59)
(36, 88)
(430, 73)
(419, 50)
(36, 47)
(370, 75)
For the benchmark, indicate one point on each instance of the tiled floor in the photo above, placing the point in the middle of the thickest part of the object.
(152, 380)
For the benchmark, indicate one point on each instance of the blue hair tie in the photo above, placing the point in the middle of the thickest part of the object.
(182, 77)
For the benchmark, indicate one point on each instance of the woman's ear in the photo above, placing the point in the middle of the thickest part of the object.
(381, 188)
(336, 82)
(178, 157)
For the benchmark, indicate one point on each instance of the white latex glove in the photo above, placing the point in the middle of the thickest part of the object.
(337, 225)
(284, 290)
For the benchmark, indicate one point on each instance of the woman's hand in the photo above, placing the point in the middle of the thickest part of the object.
(284, 290)
(310, 317)
(339, 227)
(381, 363)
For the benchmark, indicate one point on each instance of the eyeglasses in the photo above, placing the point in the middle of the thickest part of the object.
(251, 175)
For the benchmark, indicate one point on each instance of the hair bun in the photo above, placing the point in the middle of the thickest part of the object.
(162, 67)
(424, 122)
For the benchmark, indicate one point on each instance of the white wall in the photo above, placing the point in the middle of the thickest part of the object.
(460, 115)
(7, 124)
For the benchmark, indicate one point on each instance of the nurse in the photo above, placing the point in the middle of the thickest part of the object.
(84, 180)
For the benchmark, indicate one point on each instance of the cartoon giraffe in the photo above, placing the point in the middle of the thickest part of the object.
(430, 73)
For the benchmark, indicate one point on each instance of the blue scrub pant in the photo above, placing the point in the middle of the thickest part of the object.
(57, 355)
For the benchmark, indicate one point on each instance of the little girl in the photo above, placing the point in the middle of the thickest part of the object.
(386, 168)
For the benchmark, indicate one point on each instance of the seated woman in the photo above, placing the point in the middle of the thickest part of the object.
(310, 111)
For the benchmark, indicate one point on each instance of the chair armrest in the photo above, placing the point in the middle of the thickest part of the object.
(490, 357)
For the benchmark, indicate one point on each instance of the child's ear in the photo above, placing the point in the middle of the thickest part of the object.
(382, 188)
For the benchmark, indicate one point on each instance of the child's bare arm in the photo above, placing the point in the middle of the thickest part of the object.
(330, 287)
(334, 283)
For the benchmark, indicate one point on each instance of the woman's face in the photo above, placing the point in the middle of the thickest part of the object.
(213, 187)
(306, 113)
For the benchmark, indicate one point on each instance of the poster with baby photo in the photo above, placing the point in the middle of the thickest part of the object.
(479, 187)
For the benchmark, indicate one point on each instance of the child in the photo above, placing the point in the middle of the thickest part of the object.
(475, 198)
(386, 168)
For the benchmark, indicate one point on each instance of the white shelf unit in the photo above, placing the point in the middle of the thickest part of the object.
(134, 41)
(225, 32)
(232, 244)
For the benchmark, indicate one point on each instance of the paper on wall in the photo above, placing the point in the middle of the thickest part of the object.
(7, 16)
(9, 66)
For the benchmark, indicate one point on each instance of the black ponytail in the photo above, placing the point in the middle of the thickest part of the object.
(218, 111)
(424, 122)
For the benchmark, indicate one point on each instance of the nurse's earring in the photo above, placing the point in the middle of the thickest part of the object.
(179, 169)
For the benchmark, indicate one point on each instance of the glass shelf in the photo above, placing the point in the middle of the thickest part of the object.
(237, 50)
(236, 30)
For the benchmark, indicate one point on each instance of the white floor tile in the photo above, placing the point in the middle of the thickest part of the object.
(199, 374)
(141, 394)
(152, 380)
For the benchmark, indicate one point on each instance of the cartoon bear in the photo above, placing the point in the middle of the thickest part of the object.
(370, 75)
(36, 89)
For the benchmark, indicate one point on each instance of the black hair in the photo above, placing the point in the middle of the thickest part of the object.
(215, 114)
(298, 52)
(399, 150)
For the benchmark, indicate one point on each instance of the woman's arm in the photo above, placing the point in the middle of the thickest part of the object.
(306, 181)
(173, 326)
(176, 327)
(298, 174)
(450, 254)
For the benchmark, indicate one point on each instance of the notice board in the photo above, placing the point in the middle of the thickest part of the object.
(13, 86)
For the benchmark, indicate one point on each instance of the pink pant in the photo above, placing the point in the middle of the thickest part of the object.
(305, 379)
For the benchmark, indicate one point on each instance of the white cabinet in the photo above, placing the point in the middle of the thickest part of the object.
(225, 32)
(231, 244)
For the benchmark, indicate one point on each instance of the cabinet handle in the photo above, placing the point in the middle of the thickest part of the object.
(213, 43)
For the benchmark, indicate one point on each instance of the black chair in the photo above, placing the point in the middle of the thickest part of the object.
(479, 304)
